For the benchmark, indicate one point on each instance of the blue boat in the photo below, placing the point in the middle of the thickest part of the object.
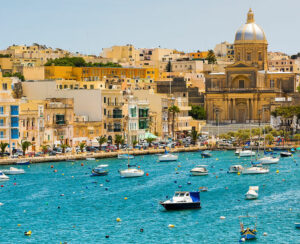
(248, 233)
(99, 171)
(22, 163)
(297, 225)
(206, 154)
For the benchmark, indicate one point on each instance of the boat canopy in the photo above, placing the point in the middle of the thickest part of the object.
(195, 196)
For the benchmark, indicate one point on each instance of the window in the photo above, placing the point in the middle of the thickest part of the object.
(85, 86)
(259, 56)
(272, 84)
(104, 111)
(241, 84)
(104, 99)
(238, 56)
(60, 86)
(91, 86)
(1, 110)
(65, 86)
(4, 86)
(248, 56)
(71, 86)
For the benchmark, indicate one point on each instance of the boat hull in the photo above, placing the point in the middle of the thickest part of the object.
(22, 163)
(268, 160)
(297, 225)
(128, 174)
(195, 173)
(13, 172)
(167, 159)
(251, 197)
(285, 154)
(99, 174)
(248, 234)
(181, 206)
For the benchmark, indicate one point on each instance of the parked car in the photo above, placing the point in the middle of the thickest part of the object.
(91, 149)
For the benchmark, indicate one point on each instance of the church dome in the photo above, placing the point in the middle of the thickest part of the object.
(250, 31)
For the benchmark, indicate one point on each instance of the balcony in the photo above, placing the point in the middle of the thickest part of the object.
(115, 116)
(114, 129)
(115, 104)
(4, 114)
(4, 138)
(14, 124)
(241, 90)
(3, 125)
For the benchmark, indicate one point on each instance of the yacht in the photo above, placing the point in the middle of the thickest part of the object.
(199, 170)
(3, 177)
(235, 168)
(255, 170)
(125, 156)
(286, 154)
(183, 200)
(26, 162)
(252, 193)
(206, 154)
(131, 172)
(13, 171)
(167, 157)
(246, 153)
(268, 160)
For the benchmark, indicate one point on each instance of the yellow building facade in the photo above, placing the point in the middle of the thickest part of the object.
(245, 92)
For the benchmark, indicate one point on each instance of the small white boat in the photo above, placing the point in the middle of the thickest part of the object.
(235, 168)
(199, 170)
(255, 170)
(268, 160)
(102, 166)
(3, 177)
(252, 193)
(246, 153)
(125, 156)
(90, 159)
(131, 172)
(167, 157)
(238, 150)
(13, 171)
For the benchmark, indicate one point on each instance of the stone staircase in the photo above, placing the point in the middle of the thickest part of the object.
(213, 129)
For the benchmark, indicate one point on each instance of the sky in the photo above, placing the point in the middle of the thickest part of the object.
(87, 26)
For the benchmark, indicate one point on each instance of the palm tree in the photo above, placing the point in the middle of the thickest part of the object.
(81, 146)
(150, 140)
(3, 146)
(101, 140)
(45, 148)
(174, 110)
(194, 135)
(118, 140)
(25, 145)
(63, 147)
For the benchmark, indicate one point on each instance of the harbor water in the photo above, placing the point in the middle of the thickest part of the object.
(70, 206)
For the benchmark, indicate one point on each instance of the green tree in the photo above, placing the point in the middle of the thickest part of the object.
(134, 143)
(101, 140)
(269, 138)
(150, 140)
(18, 90)
(81, 146)
(118, 140)
(173, 110)
(3, 146)
(197, 112)
(194, 135)
(25, 145)
(225, 136)
(45, 148)
(169, 67)
(63, 147)
(243, 136)
(16, 74)
(211, 58)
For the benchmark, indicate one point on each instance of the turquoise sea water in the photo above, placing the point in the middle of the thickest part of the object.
(88, 211)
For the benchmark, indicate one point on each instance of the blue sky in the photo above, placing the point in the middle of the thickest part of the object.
(88, 26)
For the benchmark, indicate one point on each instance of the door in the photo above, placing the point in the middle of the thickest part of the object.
(241, 118)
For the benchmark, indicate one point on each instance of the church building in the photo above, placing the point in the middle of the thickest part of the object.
(246, 91)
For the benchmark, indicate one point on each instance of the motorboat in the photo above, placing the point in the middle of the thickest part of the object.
(3, 177)
(125, 156)
(246, 153)
(167, 157)
(206, 154)
(268, 160)
(255, 170)
(252, 193)
(235, 168)
(99, 171)
(183, 200)
(13, 171)
(199, 170)
(90, 159)
(22, 163)
(248, 233)
(203, 189)
(285, 154)
(131, 172)
(238, 150)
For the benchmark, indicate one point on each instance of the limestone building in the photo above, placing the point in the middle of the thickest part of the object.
(246, 91)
